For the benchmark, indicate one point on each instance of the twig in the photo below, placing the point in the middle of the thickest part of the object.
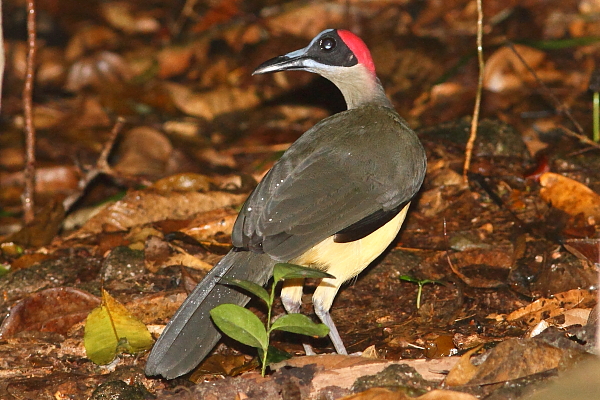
(2, 57)
(186, 12)
(582, 138)
(557, 104)
(28, 191)
(101, 166)
(475, 119)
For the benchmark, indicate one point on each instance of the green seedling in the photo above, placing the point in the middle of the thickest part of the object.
(243, 326)
(419, 282)
(594, 86)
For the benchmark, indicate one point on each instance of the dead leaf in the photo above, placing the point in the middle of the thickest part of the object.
(344, 370)
(174, 60)
(569, 196)
(43, 229)
(143, 151)
(190, 261)
(306, 20)
(141, 207)
(378, 394)
(206, 225)
(220, 12)
(446, 395)
(584, 249)
(483, 268)
(219, 364)
(187, 182)
(49, 310)
(89, 39)
(101, 70)
(464, 370)
(122, 15)
(545, 308)
(517, 358)
(210, 104)
(156, 307)
(504, 70)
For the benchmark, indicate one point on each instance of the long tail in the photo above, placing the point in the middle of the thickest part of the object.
(191, 335)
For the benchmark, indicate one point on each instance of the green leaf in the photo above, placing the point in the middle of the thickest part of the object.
(110, 329)
(409, 278)
(299, 323)
(248, 286)
(240, 324)
(289, 271)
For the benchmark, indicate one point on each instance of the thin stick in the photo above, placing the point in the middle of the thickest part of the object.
(596, 117)
(475, 119)
(2, 57)
(101, 167)
(28, 191)
(186, 12)
(557, 104)
(582, 138)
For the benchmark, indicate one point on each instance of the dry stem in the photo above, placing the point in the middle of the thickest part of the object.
(475, 119)
(28, 191)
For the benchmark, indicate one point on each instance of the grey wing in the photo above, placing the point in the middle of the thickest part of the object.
(338, 173)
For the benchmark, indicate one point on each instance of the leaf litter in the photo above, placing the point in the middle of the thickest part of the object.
(509, 247)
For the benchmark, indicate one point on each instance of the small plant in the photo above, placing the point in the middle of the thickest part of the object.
(242, 325)
(594, 86)
(419, 282)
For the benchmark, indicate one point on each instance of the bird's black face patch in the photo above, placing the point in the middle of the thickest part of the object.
(330, 49)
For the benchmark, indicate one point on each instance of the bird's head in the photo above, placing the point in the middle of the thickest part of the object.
(340, 56)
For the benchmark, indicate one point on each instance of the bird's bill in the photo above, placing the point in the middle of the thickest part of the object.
(296, 60)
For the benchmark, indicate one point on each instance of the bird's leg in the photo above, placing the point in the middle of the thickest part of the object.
(291, 297)
(322, 300)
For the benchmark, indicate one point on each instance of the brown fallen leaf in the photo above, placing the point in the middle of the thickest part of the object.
(517, 358)
(504, 70)
(344, 370)
(206, 225)
(174, 60)
(143, 151)
(157, 307)
(43, 229)
(129, 18)
(144, 206)
(210, 104)
(584, 249)
(483, 268)
(50, 310)
(569, 196)
(446, 395)
(463, 371)
(378, 394)
(184, 182)
(189, 261)
(545, 308)
(307, 19)
(100, 70)
(386, 394)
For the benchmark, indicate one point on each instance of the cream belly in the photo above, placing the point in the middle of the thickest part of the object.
(342, 260)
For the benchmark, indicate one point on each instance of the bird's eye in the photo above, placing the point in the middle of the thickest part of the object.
(327, 44)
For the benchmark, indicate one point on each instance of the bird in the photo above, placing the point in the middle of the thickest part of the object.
(334, 201)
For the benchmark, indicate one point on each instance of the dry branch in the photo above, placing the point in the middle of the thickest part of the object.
(28, 191)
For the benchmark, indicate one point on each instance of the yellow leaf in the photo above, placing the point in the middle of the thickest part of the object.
(111, 328)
